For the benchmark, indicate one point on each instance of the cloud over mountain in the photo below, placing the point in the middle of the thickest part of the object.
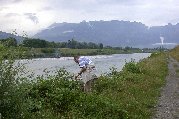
(38, 14)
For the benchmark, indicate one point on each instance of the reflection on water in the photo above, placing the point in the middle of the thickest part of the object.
(103, 63)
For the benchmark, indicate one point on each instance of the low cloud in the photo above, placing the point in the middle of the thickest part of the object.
(9, 2)
(3, 8)
(32, 17)
(12, 15)
(47, 8)
(16, 1)
(41, 13)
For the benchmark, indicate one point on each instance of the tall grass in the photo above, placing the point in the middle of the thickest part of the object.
(129, 94)
(137, 87)
(73, 52)
(175, 53)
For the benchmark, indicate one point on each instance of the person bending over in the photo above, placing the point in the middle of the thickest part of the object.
(86, 72)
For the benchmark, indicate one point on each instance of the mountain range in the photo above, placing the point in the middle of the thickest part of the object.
(4, 35)
(112, 33)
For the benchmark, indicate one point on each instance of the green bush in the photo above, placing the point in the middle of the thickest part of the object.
(47, 50)
(65, 98)
(10, 98)
(132, 67)
(131, 93)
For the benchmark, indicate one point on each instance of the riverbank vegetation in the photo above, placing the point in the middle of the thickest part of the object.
(129, 94)
(37, 48)
(175, 53)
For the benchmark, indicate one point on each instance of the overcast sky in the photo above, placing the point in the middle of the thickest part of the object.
(33, 15)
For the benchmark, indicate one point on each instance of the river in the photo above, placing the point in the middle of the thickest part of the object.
(103, 63)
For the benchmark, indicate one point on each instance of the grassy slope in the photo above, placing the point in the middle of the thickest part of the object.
(127, 94)
(66, 52)
(131, 93)
(72, 52)
(136, 92)
(175, 53)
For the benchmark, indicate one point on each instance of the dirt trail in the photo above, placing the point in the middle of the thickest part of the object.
(168, 105)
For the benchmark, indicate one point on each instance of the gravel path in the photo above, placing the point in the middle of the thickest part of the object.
(168, 105)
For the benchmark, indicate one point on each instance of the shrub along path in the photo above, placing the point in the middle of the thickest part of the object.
(168, 105)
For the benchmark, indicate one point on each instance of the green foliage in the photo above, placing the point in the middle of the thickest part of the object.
(132, 67)
(35, 43)
(131, 93)
(38, 43)
(64, 98)
(155, 54)
(55, 97)
(8, 42)
(48, 50)
(73, 52)
(10, 98)
(175, 53)
(136, 88)
(37, 48)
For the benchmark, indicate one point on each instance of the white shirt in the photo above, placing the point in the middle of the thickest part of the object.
(84, 61)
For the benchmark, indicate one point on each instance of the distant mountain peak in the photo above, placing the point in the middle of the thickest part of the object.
(113, 33)
(4, 35)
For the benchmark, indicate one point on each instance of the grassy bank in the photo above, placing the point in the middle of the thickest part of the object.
(129, 94)
(73, 52)
(68, 52)
(136, 88)
(175, 53)
(24, 52)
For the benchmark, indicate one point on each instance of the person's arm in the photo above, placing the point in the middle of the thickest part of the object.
(81, 71)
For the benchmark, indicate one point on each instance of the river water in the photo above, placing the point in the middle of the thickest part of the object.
(103, 63)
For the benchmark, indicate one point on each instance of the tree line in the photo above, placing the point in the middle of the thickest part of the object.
(72, 44)
(39, 43)
(8, 42)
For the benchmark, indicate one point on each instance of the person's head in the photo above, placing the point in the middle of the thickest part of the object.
(76, 59)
